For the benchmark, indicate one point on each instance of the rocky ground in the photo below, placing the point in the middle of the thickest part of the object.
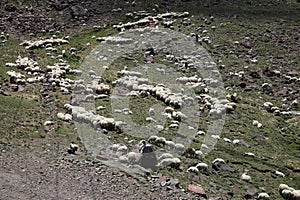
(254, 43)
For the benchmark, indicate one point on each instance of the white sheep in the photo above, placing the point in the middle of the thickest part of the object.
(250, 154)
(160, 141)
(123, 159)
(172, 162)
(200, 133)
(179, 147)
(198, 154)
(202, 166)
(236, 141)
(218, 160)
(68, 117)
(152, 138)
(132, 156)
(279, 173)
(215, 137)
(227, 140)
(193, 170)
(60, 116)
(47, 123)
(115, 147)
(170, 144)
(296, 194)
(245, 177)
(165, 155)
(263, 195)
(174, 126)
(122, 148)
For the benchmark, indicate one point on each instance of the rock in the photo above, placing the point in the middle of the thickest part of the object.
(221, 166)
(251, 193)
(196, 188)
(59, 5)
(260, 138)
(78, 11)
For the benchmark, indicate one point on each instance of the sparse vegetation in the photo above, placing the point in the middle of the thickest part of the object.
(255, 37)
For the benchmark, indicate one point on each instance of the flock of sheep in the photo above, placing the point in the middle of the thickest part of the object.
(83, 93)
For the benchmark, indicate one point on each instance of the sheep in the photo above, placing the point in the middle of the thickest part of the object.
(170, 144)
(250, 154)
(159, 127)
(202, 166)
(283, 187)
(179, 147)
(60, 116)
(68, 117)
(132, 156)
(193, 170)
(215, 137)
(263, 195)
(73, 148)
(227, 140)
(218, 160)
(115, 147)
(160, 141)
(236, 141)
(122, 148)
(123, 159)
(296, 194)
(279, 173)
(245, 177)
(174, 126)
(198, 154)
(165, 155)
(172, 162)
(268, 105)
(200, 133)
(150, 119)
(189, 152)
(152, 139)
(179, 116)
(47, 123)
(255, 122)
